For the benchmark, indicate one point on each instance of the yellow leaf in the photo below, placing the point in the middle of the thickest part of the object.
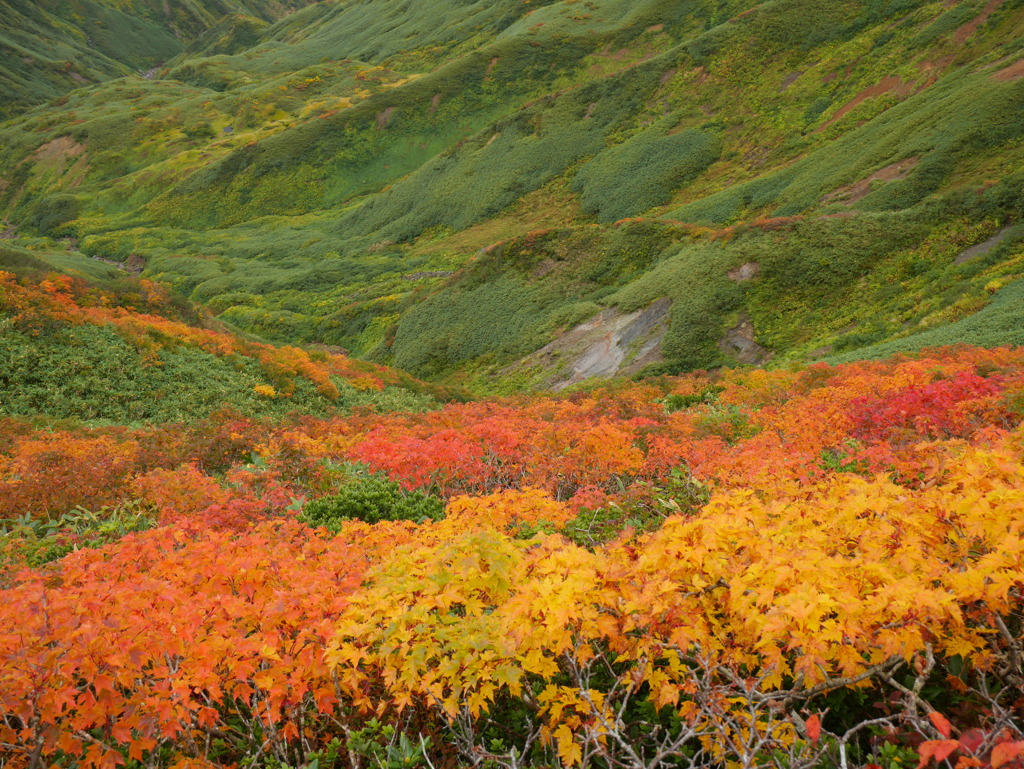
(570, 753)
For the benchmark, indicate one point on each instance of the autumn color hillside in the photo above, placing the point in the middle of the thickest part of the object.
(812, 566)
(459, 188)
(511, 384)
(94, 343)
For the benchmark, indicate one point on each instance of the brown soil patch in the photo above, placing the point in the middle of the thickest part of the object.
(542, 269)
(65, 158)
(739, 343)
(491, 66)
(59, 150)
(851, 193)
(745, 272)
(1014, 72)
(744, 14)
(790, 79)
(885, 85)
(135, 263)
(76, 174)
(932, 67)
(962, 35)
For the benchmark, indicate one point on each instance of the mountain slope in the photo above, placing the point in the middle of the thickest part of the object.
(83, 340)
(351, 174)
(50, 47)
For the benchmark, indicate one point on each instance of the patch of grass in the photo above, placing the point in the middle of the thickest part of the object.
(999, 323)
(630, 178)
(31, 541)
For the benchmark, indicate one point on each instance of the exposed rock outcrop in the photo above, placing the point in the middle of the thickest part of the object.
(611, 343)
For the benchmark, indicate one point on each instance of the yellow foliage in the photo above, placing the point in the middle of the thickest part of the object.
(820, 581)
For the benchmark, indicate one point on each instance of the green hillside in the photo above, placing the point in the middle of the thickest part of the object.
(83, 340)
(446, 191)
(50, 47)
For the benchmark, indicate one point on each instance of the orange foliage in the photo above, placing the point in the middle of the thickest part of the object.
(52, 472)
(865, 528)
(61, 299)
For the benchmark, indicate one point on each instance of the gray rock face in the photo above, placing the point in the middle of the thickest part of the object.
(739, 343)
(983, 248)
(610, 343)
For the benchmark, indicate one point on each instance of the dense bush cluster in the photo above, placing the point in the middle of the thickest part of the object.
(793, 568)
(372, 499)
(628, 179)
(130, 351)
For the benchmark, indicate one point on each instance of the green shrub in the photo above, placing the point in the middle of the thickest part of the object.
(630, 178)
(680, 402)
(729, 422)
(1000, 323)
(50, 214)
(33, 541)
(644, 507)
(91, 373)
(372, 499)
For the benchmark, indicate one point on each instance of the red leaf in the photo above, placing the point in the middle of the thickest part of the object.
(941, 723)
(937, 749)
(813, 728)
(971, 740)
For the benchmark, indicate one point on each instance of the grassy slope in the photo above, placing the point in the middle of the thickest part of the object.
(128, 352)
(50, 47)
(324, 182)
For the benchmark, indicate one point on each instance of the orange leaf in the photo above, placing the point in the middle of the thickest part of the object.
(813, 728)
(1005, 751)
(940, 722)
(937, 749)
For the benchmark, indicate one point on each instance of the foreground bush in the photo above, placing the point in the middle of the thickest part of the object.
(837, 578)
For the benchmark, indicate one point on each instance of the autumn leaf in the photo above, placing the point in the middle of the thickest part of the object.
(940, 722)
(1004, 752)
(569, 750)
(939, 750)
(813, 726)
